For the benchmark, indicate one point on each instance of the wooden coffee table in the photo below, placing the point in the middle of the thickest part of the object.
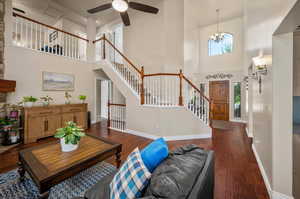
(48, 165)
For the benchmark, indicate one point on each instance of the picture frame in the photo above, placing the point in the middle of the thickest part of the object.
(58, 81)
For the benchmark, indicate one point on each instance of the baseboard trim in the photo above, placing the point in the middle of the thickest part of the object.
(141, 134)
(277, 195)
(122, 131)
(169, 138)
(250, 135)
(262, 171)
(238, 121)
(272, 194)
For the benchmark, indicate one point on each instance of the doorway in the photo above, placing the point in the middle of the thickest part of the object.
(103, 95)
(219, 94)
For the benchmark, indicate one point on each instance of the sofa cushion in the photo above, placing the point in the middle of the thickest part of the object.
(155, 153)
(175, 176)
(131, 179)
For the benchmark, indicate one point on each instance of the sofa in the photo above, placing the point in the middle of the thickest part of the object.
(187, 173)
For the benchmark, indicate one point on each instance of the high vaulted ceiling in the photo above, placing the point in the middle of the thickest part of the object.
(203, 12)
(81, 7)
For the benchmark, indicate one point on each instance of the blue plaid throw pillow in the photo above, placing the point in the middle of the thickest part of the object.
(131, 179)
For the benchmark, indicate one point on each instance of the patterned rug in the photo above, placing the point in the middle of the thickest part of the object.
(11, 188)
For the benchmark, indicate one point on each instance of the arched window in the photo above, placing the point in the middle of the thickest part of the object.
(221, 47)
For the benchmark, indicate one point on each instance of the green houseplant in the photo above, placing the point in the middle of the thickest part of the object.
(46, 100)
(29, 101)
(82, 98)
(69, 136)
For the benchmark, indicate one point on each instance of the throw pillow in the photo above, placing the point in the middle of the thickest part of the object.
(155, 153)
(131, 179)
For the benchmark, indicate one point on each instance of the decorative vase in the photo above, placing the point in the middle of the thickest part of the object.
(28, 104)
(68, 102)
(46, 103)
(67, 147)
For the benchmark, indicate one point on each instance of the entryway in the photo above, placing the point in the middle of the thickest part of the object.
(102, 97)
(219, 94)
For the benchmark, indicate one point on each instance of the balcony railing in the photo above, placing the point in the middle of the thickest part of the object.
(32, 34)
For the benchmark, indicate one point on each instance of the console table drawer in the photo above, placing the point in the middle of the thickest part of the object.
(73, 109)
(45, 112)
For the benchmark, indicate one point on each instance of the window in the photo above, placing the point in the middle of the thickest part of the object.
(237, 100)
(222, 47)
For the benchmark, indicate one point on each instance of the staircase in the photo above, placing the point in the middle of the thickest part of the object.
(157, 105)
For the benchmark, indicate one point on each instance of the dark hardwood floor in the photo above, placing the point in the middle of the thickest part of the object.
(237, 175)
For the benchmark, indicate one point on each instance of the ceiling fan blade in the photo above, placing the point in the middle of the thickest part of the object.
(125, 18)
(143, 7)
(100, 8)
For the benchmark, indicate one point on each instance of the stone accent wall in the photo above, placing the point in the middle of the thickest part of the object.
(2, 12)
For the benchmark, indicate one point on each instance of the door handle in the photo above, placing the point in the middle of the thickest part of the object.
(46, 125)
(74, 119)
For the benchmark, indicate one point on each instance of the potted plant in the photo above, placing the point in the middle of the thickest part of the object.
(29, 101)
(69, 136)
(82, 98)
(68, 98)
(46, 100)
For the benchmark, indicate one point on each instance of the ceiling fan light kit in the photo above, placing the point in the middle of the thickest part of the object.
(122, 6)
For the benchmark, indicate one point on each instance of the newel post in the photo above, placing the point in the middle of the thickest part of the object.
(103, 47)
(142, 86)
(108, 115)
(180, 88)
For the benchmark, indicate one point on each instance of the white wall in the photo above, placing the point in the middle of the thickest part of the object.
(26, 67)
(261, 20)
(156, 41)
(226, 62)
(282, 125)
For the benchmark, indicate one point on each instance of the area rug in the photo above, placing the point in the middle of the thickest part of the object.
(76, 186)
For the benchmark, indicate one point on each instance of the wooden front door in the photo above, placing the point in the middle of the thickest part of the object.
(219, 94)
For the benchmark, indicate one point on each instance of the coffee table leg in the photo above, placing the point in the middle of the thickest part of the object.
(44, 195)
(118, 159)
(21, 171)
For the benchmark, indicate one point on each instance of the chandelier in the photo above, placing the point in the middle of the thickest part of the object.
(218, 36)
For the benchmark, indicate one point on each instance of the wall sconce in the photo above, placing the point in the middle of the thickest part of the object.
(261, 64)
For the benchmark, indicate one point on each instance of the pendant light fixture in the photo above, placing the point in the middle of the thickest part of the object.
(218, 36)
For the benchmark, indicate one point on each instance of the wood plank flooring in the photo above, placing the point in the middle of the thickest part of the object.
(237, 175)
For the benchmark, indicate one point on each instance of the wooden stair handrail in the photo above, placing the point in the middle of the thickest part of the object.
(195, 87)
(118, 51)
(51, 27)
(112, 104)
(161, 74)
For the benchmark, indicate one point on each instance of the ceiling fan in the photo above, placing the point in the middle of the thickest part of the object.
(122, 7)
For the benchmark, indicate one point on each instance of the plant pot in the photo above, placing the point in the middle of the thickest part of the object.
(46, 103)
(67, 147)
(28, 104)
